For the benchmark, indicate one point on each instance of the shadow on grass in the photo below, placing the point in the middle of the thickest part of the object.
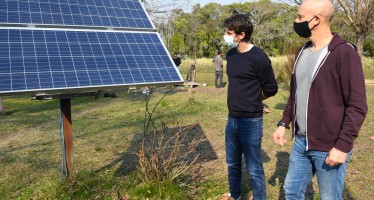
(347, 194)
(37, 161)
(246, 180)
(129, 160)
(280, 174)
(37, 106)
(280, 106)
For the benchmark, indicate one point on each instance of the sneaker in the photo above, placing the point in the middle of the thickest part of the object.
(227, 196)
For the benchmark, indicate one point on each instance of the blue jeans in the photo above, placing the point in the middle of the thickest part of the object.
(219, 74)
(302, 167)
(244, 136)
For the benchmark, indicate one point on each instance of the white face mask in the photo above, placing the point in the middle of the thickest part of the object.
(230, 41)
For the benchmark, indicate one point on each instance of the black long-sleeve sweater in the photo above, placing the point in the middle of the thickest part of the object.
(249, 73)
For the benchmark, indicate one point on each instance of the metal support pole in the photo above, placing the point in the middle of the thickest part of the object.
(66, 137)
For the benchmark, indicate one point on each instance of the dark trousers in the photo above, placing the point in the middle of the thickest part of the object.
(219, 74)
(191, 75)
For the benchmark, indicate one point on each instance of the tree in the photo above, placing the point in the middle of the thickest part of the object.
(199, 32)
(359, 15)
(160, 10)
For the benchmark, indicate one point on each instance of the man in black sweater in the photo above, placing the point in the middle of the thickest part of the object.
(251, 79)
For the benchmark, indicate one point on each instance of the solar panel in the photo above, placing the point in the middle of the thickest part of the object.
(44, 59)
(54, 55)
(109, 13)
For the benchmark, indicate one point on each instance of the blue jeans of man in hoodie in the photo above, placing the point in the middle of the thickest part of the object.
(304, 164)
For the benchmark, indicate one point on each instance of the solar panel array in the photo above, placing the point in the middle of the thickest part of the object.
(108, 13)
(58, 58)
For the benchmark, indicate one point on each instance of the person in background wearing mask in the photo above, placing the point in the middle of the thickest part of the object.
(218, 65)
(327, 105)
(251, 79)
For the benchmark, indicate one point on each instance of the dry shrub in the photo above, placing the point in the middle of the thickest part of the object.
(167, 154)
(285, 73)
(286, 69)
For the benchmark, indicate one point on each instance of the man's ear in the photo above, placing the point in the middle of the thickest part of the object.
(318, 19)
(242, 35)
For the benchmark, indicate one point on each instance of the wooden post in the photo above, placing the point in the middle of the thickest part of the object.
(2, 109)
(67, 134)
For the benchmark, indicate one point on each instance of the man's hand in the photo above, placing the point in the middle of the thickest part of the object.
(279, 135)
(335, 157)
(265, 109)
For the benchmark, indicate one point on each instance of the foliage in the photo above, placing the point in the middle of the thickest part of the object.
(159, 190)
(282, 65)
(368, 67)
(369, 48)
(199, 33)
(164, 156)
(359, 15)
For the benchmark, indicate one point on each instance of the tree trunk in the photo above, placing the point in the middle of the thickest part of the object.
(2, 109)
(360, 39)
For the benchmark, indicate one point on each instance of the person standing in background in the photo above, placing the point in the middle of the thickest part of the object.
(218, 65)
(191, 73)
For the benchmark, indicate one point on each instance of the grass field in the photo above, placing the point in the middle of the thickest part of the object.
(108, 131)
(278, 63)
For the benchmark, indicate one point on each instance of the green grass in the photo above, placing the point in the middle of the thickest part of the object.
(206, 65)
(368, 67)
(107, 132)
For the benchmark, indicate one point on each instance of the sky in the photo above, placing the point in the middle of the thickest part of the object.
(187, 4)
(222, 2)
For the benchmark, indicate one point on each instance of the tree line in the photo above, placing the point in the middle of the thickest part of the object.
(199, 33)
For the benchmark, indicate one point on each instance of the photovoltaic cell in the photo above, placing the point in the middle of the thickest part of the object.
(53, 45)
(34, 60)
(108, 13)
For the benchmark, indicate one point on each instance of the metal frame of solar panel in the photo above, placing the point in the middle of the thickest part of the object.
(75, 45)
(109, 13)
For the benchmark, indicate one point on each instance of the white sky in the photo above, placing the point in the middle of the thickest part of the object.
(189, 3)
(186, 5)
(222, 2)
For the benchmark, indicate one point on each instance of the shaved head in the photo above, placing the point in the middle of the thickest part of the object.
(324, 8)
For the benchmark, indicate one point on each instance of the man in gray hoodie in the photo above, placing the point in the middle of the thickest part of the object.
(327, 105)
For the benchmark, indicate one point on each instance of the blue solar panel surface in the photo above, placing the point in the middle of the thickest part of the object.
(53, 45)
(108, 13)
(45, 59)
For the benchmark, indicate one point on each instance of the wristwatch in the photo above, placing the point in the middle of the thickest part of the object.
(283, 124)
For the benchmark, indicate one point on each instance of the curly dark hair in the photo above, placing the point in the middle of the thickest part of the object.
(240, 23)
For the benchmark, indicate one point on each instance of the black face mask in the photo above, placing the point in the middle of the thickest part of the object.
(302, 28)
